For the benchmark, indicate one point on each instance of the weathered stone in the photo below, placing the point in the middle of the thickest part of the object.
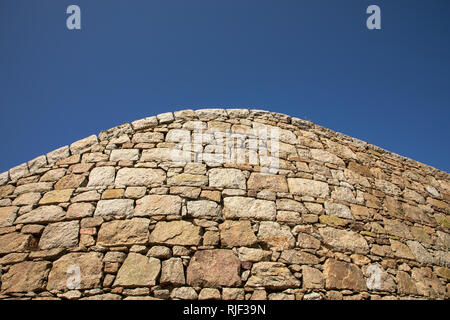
(272, 275)
(325, 156)
(42, 214)
(387, 187)
(124, 155)
(135, 192)
(87, 196)
(172, 272)
(13, 258)
(427, 283)
(343, 194)
(70, 181)
(379, 279)
(159, 252)
(214, 268)
(18, 172)
(233, 294)
(158, 205)
(341, 150)
(7, 216)
(145, 123)
(421, 254)
(440, 271)
(56, 196)
(306, 187)
(29, 198)
(25, 277)
(405, 284)
(333, 221)
(396, 228)
(275, 183)
(250, 208)
(6, 190)
(112, 194)
(176, 233)
(211, 195)
(60, 235)
(275, 236)
(83, 145)
(237, 233)
(34, 187)
(139, 177)
(253, 254)
(66, 269)
(138, 271)
(341, 275)
(184, 293)
(101, 176)
(115, 207)
(401, 250)
(186, 179)
(298, 257)
(307, 241)
(203, 209)
(80, 210)
(290, 205)
(338, 210)
(209, 294)
(312, 278)
(123, 232)
(343, 240)
(15, 242)
(226, 178)
(4, 177)
(58, 154)
(289, 217)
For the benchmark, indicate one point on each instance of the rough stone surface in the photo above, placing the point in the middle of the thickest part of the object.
(172, 272)
(7, 216)
(60, 235)
(123, 232)
(342, 275)
(305, 187)
(343, 240)
(87, 265)
(226, 178)
(176, 233)
(101, 176)
(214, 268)
(203, 209)
(158, 205)
(250, 208)
(270, 182)
(115, 207)
(275, 236)
(237, 234)
(25, 276)
(138, 271)
(139, 177)
(15, 242)
(272, 275)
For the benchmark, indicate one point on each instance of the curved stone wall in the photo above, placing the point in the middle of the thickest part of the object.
(223, 204)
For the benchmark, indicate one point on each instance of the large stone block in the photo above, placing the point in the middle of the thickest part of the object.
(250, 208)
(60, 235)
(272, 275)
(42, 214)
(115, 207)
(172, 272)
(214, 268)
(138, 271)
(226, 178)
(15, 242)
(271, 182)
(102, 176)
(203, 209)
(181, 233)
(76, 271)
(7, 216)
(341, 275)
(306, 187)
(237, 234)
(275, 236)
(139, 177)
(343, 240)
(152, 205)
(56, 196)
(26, 276)
(124, 232)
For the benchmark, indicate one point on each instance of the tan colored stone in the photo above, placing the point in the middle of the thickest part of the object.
(70, 181)
(405, 284)
(211, 195)
(184, 293)
(343, 240)
(312, 278)
(13, 258)
(25, 277)
(237, 233)
(176, 233)
(15, 242)
(83, 145)
(186, 179)
(295, 256)
(275, 183)
(42, 214)
(341, 275)
(209, 294)
(65, 270)
(275, 236)
(203, 209)
(124, 155)
(306, 187)
(152, 205)
(307, 241)
(253, 254)
(338, 210)
(226, 178)
(379, 279)
(112, 194)
(6, 190)
(401, 250)
(333, 221)
(56, 196)
(115, 207)
(29, 198)
(124, 232)
(325, 156)
(214, 268)
(250, 208)
(272, 275)
(60, 235)
(80, 210)
(172, 272)
(7, 216)
(427, 283)
(34, 187)
(139, 177)
(138, 271)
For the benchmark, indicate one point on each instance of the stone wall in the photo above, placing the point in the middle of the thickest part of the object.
(130, 215)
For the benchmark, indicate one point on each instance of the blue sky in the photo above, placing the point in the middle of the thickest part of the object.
(313, 59)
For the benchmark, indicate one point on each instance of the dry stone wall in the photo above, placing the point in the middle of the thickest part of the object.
(149, 210)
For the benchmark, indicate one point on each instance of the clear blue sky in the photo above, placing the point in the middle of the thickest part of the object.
(313, 59)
